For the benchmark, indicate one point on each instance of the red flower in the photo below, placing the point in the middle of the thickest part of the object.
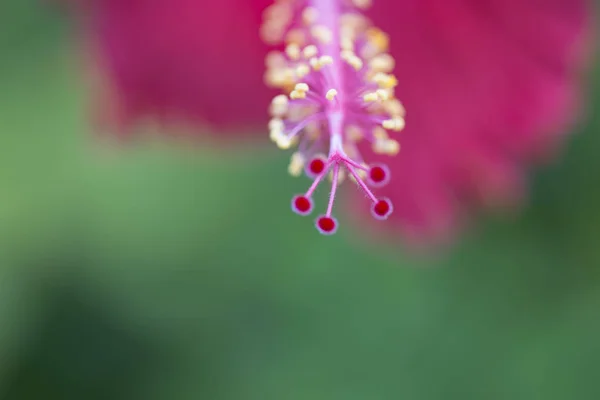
(488, 85)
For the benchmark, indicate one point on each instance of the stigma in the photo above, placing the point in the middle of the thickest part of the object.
(334, 72)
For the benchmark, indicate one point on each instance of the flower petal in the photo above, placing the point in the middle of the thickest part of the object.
(488, 85)
(189, 59)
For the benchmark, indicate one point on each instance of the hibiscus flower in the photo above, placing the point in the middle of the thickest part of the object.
(488, 87)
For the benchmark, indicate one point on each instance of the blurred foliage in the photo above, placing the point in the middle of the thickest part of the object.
(160, 270)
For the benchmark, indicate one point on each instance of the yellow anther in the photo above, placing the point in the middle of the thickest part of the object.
(278, 135)
(310, 51)
(385, 81)
(378, 77)
(280, 100)
(331, 93)
(320, 62)
(283, 142)
(352, 59)
(325, 60)
(296, 164)
(314, 63)
(276, 127)
(295, 95)
(322, 34)
(377, 38)
(382, 63)
(388, 147)
(394, 124)
(279, 77)
(310, 15)
(370, 97)
(293, 51)
(378, 96)
(302, 70)
(380, 134)
(394, 108)
(346, 54)
(383, 94)
(276, 124)
(279, 105)
(301, 87)
(355, 63)
(274, 135)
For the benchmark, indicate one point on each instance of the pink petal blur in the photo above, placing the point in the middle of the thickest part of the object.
(190, 59)
(488, 85)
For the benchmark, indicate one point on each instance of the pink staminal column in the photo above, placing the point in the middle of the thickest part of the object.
(335, 74)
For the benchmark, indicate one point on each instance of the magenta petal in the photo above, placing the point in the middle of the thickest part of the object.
(189, 59)
(487, 85)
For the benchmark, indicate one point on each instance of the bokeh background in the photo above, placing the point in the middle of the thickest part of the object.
(167, 270)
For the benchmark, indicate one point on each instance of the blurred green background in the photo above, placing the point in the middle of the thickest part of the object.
(161, 271)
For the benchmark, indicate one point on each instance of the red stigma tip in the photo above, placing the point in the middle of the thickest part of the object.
(302, 205)
(316, 166)
(382, 209)
(379, 175)
(326, 225)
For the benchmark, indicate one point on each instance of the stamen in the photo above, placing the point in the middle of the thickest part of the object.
(382, 63)
(395, 124)
(296, 164)
(310, 51)
(338, 89)
(301, 87)
(279, 106)
(331, 93)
